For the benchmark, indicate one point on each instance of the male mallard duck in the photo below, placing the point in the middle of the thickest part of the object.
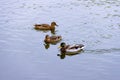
(71, 49)
(52, 39)
(45, 26)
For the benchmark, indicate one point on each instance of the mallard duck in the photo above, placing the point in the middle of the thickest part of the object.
(71, 49)
(52, 39)
(45, 26)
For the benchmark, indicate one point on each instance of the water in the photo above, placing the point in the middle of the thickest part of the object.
(94, 23)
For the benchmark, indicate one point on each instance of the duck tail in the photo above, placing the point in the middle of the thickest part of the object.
(59, 37)
(80, 45)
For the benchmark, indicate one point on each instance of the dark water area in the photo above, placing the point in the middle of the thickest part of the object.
(94, 23)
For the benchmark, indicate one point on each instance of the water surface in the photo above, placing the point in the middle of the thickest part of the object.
(94, 23)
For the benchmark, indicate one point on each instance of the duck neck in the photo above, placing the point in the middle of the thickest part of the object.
(52, 26)
(63, 49)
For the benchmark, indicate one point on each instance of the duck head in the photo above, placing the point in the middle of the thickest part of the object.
(47, 36)
(54, 24)
(63, 47)
(47, 39)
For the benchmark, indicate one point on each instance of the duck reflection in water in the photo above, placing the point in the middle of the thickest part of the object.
(63, 55)
(51, 40)
(46, 45)
(45, 31)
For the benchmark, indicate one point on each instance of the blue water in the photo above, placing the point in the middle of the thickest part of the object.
(94, 23)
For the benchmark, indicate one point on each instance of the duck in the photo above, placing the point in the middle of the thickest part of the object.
(45, 26)
(52, 39)
(71, 49)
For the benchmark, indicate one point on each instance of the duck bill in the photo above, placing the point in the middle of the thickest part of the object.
(57, 25)
(59, 47)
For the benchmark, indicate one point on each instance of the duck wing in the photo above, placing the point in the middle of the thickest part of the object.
(45, 25)
(55, 37)
(76, 46)
(80, 45)
(42, 25)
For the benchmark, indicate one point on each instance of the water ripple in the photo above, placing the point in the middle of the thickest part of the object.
(102, 51)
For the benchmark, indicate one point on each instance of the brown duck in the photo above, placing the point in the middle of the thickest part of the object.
(52, 39)
(45, 26)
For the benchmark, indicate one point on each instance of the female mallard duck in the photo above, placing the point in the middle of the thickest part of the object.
(71, 49)
(45, 26)
(52, 39)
